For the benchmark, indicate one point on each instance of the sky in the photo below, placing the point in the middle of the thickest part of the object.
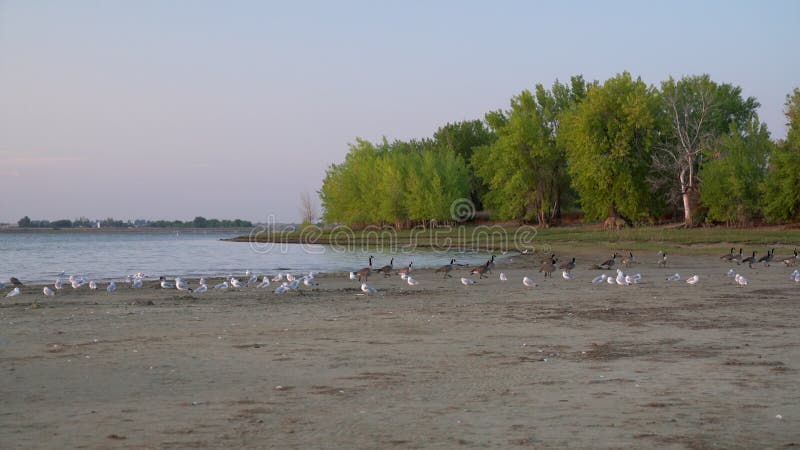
(170, 110)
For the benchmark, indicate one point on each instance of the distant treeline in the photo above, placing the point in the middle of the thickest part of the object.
(618, 150)
(198, 222)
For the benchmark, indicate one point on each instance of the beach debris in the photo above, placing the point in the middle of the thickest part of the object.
(778, 416)
(731, 273)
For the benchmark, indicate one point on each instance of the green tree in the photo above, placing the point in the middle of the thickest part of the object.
(200, 222)
(782, 187)
(25, 222)
(733, 172)
(608, 138)
(697, 111)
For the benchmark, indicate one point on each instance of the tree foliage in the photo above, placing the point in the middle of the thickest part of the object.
(608, 139)
(782, 187)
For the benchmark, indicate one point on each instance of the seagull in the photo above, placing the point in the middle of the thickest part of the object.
(503, 277)
(236, 283)
(284, 287)
(202, 288)
(467, 281)
(14, 292)
(528, 282)
(264, 282)
(310, 282)
(253, 279)
(202, 280)
(740, 280)
(731, 273)
(567, 275)
(620, 278)
(294, 284)
(166, 284)
(367, 289)
(76, 283)
(610, 280)
(137, 283)
(111, 287)
(353, 276)
(411, 281)
(404, 276)
(58, 284)
(599, 279)
(290, 277)
(223, 285)
(675, 277)
(93, 285)
(182, 285)
(278, 278)
(48, 292)
(693, 280)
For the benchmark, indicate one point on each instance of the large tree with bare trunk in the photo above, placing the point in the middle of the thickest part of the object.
(697, 113)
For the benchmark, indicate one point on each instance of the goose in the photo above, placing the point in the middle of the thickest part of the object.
(93, 285)
(480, 270)
(503, 277)
(609, 263)
(48, 292)
(693, 279)
(367, 289)
(446, 268)
(236, 283)
(111, 287)
(264, 283)
(411, 281)
(566, 275)
(387, 269)
(14, 292)
(15, 282)
(792, 260)
(405, 270)
(675, 277)
(750, 260)
(202, 288)
(528, 282)
(628, 260)
(366, 270)
(490, 265)
(766, 259)
(182, 285)
(737, 258)
(223, 285)
(729, 256)
(166, 284)
(568, 266)
(548, 266)
(662, 261)
(467, 281)
(599, 279)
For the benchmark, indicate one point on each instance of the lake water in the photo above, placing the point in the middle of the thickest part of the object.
(41, 257)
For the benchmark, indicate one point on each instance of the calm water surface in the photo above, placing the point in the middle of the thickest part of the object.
(40, 257)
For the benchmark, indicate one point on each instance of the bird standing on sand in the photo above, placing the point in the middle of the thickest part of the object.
(264, 282)
(111, 287)
(93, 285)
(467, 281)
(48, 292)
(387, 269)
(503, 277)
(599, 279)
(364, 273)
(14, 292)
(693, 280)
(675, 277)
(411, 281)
(447, 268)
(565, 274)
(166, 284)
(528, 282)
(367, 289)
(202, 288)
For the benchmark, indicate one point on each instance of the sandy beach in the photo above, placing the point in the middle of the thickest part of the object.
(440, 365)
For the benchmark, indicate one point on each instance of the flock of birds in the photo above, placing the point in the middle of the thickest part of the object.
(291, 283)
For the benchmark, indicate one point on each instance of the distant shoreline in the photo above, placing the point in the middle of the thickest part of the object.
(125, 230)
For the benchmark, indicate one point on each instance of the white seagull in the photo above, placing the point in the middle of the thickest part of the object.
(599, 279)
(411, 281)
(353, 276)
(731, 273)
(166, 284)
(264, 282)
(137, 283)
(675, 277)
(565, 274)
(367, 289)
(290, 277)
(182, 285)
(93, 285)
(58, 284)
(278, 278)
(528, 282)
(610, 280)
(14, 292)
(223, 285)
(693, 280)
(309, 282)
(236, 283)
(48, 292)
(200, 289)
(503, 277)
(467, 281)
(740, 280)
(111, 287)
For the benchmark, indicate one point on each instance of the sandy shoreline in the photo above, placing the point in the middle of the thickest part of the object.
(439, 365)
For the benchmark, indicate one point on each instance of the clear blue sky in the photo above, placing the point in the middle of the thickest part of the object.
(171, 109)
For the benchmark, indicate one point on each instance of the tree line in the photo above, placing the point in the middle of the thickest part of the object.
(619, 151)
(198, 222)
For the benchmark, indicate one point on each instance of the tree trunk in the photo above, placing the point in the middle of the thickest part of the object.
(691, 201)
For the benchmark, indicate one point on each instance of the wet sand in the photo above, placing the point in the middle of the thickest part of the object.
(439, 365)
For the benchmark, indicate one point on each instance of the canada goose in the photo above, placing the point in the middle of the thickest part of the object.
(548, 266)
(15, 282)
(628, 260)
(662, 261)
(490, 265)
(405, 270)
(609, 263)
(750, 259)
(737, 258)
(567, 265)
(729, 256)
(480, 270)
(446, 268)
(387, 269)
(792, 260)
(365, 271)
(767, 258)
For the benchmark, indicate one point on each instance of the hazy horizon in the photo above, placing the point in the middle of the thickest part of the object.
(171, 110)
